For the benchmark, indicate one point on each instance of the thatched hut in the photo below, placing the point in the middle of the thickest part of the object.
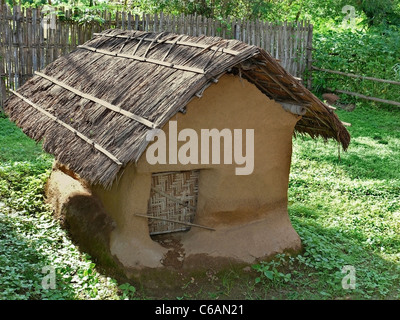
(94, 108)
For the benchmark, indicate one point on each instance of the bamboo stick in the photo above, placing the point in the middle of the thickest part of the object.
(128, 114)
(291, 94)
(174, 221)
(182, 43)
(134, 57)
(80, 135)
(173, 198)
(129, 25)
(309, 56)
(2, 60)
(359, 95)
(356, 76)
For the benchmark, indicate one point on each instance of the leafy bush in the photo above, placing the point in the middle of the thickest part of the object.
(128, 291)
(374, 53)
(372, 11)
(269, 271)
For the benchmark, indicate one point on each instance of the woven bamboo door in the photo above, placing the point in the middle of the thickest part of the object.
(173, 198)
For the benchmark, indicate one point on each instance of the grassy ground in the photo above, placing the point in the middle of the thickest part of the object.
(30, 240)
(346, 211)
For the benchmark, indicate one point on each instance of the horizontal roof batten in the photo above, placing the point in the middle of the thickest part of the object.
(67, 126)
(105, 104)
(182, 43)
(138, 58)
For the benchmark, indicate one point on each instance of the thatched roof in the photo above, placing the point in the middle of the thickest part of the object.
(93, 107)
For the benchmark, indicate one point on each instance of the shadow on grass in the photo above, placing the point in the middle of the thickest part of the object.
(361, 162)
(371, 166)
(328, 249)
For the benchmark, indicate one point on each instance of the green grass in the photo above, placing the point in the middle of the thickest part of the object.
(347, 212)
(30, 239)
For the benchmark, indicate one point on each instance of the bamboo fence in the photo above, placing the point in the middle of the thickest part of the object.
(359, 95)
(30, 38)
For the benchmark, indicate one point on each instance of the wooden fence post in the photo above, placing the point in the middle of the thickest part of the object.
(3, 20)
(309, 56)
(2, 84)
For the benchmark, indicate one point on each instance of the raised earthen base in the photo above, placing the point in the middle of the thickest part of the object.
(94, 230)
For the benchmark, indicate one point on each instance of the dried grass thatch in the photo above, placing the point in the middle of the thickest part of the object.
(151, 76)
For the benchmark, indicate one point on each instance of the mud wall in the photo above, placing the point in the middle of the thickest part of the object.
(249, 212)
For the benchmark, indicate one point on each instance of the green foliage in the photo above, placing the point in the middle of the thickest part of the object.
(128, 291)
(374, 53)
(396, 70)
(319, 12)
(381, 11)
(269, 272)
(23, 170)
(28, 244)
